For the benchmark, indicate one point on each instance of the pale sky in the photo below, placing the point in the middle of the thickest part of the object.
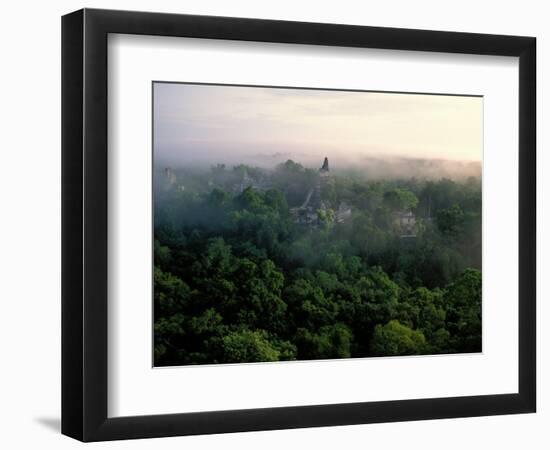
(208, 124)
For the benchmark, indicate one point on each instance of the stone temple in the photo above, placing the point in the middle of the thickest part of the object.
(307, 213)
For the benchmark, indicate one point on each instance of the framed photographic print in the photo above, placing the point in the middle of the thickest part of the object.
(272, 224)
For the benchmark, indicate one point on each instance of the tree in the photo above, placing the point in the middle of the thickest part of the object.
(379, 297)
(394, 339)
(258, 302)
(171, 293)
(331, 341)
(308, 305)
(424, 310)
(367, 237)
(294, 180)
(162, 254)
(250, 199)
(399, 199)
(372, 300)
(252, 346)
(326, 218)
(463, 300)
(176, 325)
(450, 221)
(276, 200)
(218, 197)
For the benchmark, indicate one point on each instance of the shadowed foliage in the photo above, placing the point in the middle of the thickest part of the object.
(238, 279)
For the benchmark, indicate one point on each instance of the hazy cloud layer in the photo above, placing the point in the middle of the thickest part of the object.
(205, 125)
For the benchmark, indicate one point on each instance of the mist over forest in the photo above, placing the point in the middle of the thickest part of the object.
(295, 261)
(371, 167)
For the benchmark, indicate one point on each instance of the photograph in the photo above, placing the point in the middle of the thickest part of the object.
(297, 224)
(249, 225)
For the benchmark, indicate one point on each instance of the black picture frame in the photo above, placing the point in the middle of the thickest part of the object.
(84, 224)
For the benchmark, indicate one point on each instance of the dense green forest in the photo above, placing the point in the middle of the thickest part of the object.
(284, 264)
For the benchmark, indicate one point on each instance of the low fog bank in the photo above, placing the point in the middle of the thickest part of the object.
(371, 167)
(403, 167)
